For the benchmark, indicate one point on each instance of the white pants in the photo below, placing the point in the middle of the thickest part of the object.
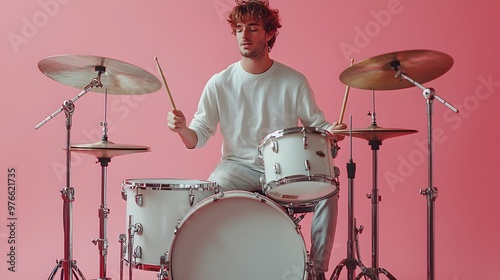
(230, 175)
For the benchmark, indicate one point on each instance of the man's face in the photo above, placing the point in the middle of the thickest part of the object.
(252, 38)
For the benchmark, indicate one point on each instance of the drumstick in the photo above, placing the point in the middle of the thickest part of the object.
(165, 83)
(346, 95)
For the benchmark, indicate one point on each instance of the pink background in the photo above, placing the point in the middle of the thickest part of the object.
(193, 41)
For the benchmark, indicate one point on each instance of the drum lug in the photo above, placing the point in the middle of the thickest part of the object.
(321, 154)
(139, 229)
(307, 165)
(191, 197)
(138, 199)
(124, 195)
(274, 146)
(335, 149)
(260, 156)
(138, 252)
(276, 168)
(304, 141)
(336, 172)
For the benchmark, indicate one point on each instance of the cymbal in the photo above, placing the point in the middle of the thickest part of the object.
(107, 149)
(379, 72)
(117, 77)
(374, 132)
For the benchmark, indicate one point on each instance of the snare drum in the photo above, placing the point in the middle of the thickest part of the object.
(297, 165)
(154, 209)
(237, 235)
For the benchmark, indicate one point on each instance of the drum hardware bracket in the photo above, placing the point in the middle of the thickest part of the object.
(432, 193)
(297, 220)
(68, 194)
(374, 200)
(163, 273)
(103, 244)
(122, 238)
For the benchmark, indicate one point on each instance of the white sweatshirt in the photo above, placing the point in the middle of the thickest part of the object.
(248, 107)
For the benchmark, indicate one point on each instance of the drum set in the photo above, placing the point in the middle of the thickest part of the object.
(172, 224)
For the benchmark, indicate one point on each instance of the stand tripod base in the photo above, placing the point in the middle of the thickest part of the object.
(73, 267)
(350, 266)
(373, 273)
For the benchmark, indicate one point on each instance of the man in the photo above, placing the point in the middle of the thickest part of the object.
(250, 99)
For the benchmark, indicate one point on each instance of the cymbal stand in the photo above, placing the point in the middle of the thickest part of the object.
(352, 231)
(102, 241)
(375, 144)
(68, 265)
(430, 192)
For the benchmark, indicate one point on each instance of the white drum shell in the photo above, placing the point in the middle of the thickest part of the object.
(298, 165)
(164, 203)
(237, 235)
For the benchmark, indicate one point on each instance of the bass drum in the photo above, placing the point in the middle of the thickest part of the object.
(237, 235)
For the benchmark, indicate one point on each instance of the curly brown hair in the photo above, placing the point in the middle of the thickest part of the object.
(258, 10)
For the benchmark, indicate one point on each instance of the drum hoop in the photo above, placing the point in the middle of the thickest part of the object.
(282, 132)
(232, 193)
(227, 194)
(141, 266)
(297, 178)
(198, 186)
(300, 178)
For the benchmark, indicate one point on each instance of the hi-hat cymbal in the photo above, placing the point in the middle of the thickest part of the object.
(107, 149)
(374, 133)
(117, 77)
(379, 72)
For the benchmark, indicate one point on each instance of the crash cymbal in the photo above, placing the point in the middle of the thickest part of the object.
(374, 132)
(117, 77)
(379, 72)
(107, 149)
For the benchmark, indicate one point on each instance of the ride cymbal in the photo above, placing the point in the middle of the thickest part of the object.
(381, 72)
(116, 76)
